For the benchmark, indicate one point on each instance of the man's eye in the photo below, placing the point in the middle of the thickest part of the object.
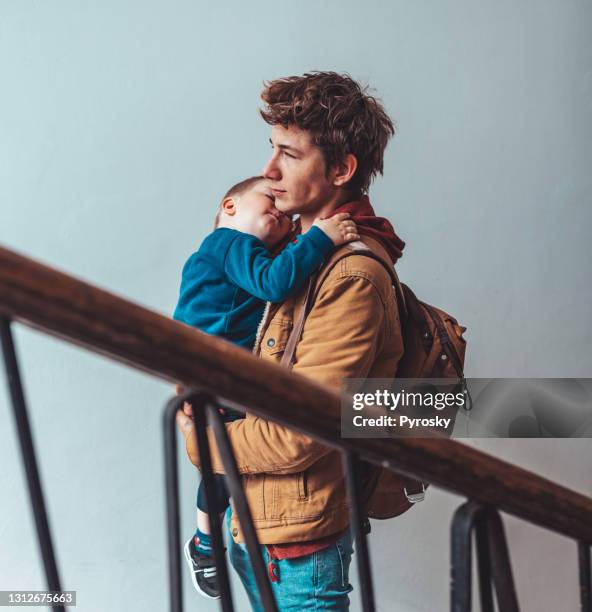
(283, 152)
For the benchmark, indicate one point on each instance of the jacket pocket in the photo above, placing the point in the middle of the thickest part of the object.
(290, 499)
(275, 338)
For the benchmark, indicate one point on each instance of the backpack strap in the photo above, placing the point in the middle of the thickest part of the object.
(414, 490)
(303, 307)
(359, 248)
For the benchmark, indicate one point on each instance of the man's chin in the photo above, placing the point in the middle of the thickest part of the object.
(286, 206)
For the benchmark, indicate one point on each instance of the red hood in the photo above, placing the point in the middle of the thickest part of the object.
(377, 227)
(368, 223)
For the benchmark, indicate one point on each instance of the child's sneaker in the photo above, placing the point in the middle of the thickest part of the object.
(203, 571)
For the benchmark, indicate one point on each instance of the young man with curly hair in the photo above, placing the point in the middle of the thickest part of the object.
(328, 138)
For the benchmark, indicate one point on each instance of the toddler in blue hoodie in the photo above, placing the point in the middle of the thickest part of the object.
(224, 287)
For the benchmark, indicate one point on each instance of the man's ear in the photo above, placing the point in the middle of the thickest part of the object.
(228, 206)
(345, 170)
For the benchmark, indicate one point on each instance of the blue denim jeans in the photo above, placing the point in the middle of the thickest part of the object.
(319, 581)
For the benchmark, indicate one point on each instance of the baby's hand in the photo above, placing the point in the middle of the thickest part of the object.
(340, 228)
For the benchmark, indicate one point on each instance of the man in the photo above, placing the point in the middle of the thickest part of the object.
(328, 139)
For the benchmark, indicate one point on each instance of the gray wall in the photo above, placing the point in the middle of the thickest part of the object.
(121, 126)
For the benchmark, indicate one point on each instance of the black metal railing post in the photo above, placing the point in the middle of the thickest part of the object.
(245, 518)
(199, 402)
(493, 560)
(501, 568)
(357, 521)
(484, 566)
(463, 521)
(585, 576)
(172, 504)
(29, 460)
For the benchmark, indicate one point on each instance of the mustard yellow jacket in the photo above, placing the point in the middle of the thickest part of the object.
(295, 485)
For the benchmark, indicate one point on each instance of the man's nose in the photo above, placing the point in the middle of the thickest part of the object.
(271, 170)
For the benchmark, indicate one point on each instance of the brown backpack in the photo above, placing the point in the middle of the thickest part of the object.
(433, 348)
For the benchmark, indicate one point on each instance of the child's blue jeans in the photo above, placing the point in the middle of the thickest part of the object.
(319, 581)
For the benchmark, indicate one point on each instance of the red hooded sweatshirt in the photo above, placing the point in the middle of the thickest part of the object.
(377, 227)
(368, 223)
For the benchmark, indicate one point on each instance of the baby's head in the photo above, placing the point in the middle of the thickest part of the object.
(249, 207)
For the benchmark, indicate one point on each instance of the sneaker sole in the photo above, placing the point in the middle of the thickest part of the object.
(193, 579)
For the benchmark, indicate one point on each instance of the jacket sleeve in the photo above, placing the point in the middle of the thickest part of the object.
(249, 264)
(341, 337)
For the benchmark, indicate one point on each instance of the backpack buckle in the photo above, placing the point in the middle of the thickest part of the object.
(414, 498)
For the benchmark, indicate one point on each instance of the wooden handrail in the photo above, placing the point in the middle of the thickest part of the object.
(63, 306)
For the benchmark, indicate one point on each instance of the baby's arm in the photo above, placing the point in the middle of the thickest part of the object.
(249, 265)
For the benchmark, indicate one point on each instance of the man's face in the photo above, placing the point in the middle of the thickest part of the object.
(296, 172)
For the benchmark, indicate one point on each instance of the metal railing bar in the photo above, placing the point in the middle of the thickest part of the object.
(470, 518)
(460, 556)
(484, 565)
(357, 519)
(172, 504)
(25, 436)
(585, 576)
(501, 567)
(237, 493)
(199, 402)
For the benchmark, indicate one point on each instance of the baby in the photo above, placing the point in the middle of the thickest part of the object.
(224, 287)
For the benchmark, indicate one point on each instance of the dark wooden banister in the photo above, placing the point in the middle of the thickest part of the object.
(63, 306)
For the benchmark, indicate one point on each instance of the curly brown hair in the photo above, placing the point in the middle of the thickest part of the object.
(340, 116)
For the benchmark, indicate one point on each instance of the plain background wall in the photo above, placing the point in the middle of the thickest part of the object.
(121, 125)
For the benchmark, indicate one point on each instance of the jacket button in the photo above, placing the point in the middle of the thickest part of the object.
(271, 342)
(235, 532)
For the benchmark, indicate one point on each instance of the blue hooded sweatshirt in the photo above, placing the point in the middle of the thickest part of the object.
(226, 282)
